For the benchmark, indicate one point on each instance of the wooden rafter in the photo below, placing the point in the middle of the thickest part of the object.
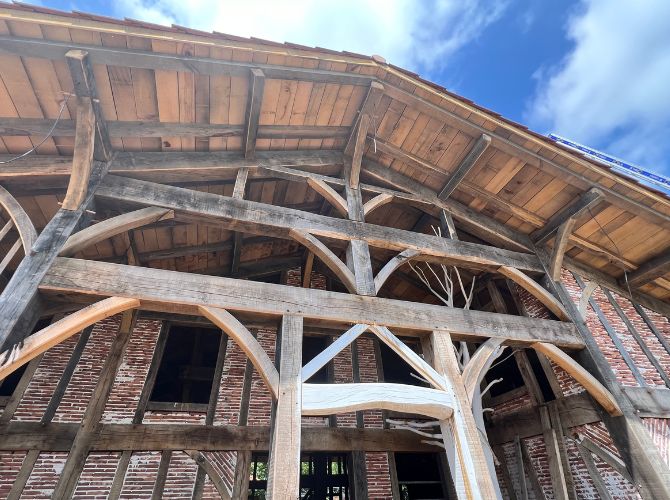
(648, 271)
(465, 166)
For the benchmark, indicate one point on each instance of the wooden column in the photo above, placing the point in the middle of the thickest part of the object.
(358, 251)
(467, 461)
(284, 464)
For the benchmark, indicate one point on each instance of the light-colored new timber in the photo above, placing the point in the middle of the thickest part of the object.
(22, 222)
(327, 399)
(333, 349)
(113, 226)
(479, 364)
(246, 341)
(57, 332)
(393, 264)
(536, 290)
(581, 375)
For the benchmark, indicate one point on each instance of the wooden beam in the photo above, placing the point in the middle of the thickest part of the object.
(582, 204)
(213, 474)
(333, 349)
(266, 219)
(378, 201)
(331, 196)
(114, 56)
(254, 101)
(594, 473)
(536, 290)
(327, 399)
(173, 291)
(20, 218)
(368, 107)
(111, 227)
(57, 332)
(307, 270)
(648, 271)
(247, 342)
(81, 71)
(284, 461)
(465, 166)
(479, 364)
(390, 267)
(161, 475)
(557, 473)
(560, 245)
(82, 161)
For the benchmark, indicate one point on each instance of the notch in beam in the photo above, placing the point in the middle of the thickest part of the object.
(256, 88)
(466, 165)
(648, 271)
(572, 211)
(81, 71)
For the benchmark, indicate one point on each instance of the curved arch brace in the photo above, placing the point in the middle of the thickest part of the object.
(111, 227)
(474, 371)
(326, 399)
(21, 220)
(229, 324)
(57, 332)
(328, 258)
(378, 201)
(332, 196)
(209, 469)
(586, 296)
(393, 264)
(581, 375)
(537, 291)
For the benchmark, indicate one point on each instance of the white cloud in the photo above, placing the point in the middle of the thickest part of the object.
(419, 35)
(612, 90)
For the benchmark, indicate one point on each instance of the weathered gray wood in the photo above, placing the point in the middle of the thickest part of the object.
(17, 395)
(284, 461)
(370, 103)
(161, 475)
(241, 482)
(594, 473)
(13, 251)
(20, 219)
(606, 456)
(23, 475)
(532, 474)
(648, 271)
(267, 219)
(19, 303)
(661, 338)
(649, 402)
(172, 291)
(205, 465)
(499, 453)
(119, 475)
(560, 245)
(114, 56)
(557, 472)
(465, 166)
(81, 72)
(521, 472)
(254, 100)
(582, 204)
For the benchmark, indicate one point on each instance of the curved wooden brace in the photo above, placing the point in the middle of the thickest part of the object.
(10, 255)
(586, 295)
(20, 218)
(581, 375)
(393, 264)
(209, 469)
(328, 258)
(481, 361)
(55, 333)
(412, 358)
(376, 202)
(320, 360)
(332, 196)
(536, 290)
(111, 227)
(229, 324)
(326, 399)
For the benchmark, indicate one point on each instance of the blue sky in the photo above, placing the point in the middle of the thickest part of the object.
(595, 71)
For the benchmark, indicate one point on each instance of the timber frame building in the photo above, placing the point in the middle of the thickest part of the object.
(222, 270)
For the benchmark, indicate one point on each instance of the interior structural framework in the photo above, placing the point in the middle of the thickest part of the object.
(233, 268)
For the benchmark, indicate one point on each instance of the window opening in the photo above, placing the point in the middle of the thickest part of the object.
(323, 476)
(186, 370)
(395, 369)
(312, 347)
(419, 476)
(540, 376)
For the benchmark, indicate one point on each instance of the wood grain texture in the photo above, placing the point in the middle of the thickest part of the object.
(332, 196)
(479, 364)
(82, 160)
(20, 218)
(333, 349)
(536, 290)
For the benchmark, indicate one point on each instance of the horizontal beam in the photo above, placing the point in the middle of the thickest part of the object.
(27, 127)
(648, 271)
(172, 291)
(177, 437)
(263, 219)
(114, 56)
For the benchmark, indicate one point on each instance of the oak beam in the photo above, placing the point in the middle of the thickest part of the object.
(254, 101)
(648, 271)
(560, 245)
(172, 291)
(465, 166)
(81, 71)
(582, 204)
(82, 161)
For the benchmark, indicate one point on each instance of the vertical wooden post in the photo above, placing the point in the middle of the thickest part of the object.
(358, 251)
(467, 461)
(284, 465)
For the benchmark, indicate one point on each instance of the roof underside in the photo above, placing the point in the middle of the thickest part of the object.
(422, 131)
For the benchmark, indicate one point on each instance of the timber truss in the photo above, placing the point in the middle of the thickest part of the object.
(454, 399)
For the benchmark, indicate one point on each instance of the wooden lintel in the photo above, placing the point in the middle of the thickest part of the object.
(582, 204)
(81, 71)
(465, 166)
(254, 101)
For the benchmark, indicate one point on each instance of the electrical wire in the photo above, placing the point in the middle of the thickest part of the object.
(51, 130)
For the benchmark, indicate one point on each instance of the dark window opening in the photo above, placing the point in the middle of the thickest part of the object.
(323, 476)
(312, 347)
(419, 476)
(540, 376)
(395, 369)
(275, 278)
(186, 370)
(508, 371)
(9, 383)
